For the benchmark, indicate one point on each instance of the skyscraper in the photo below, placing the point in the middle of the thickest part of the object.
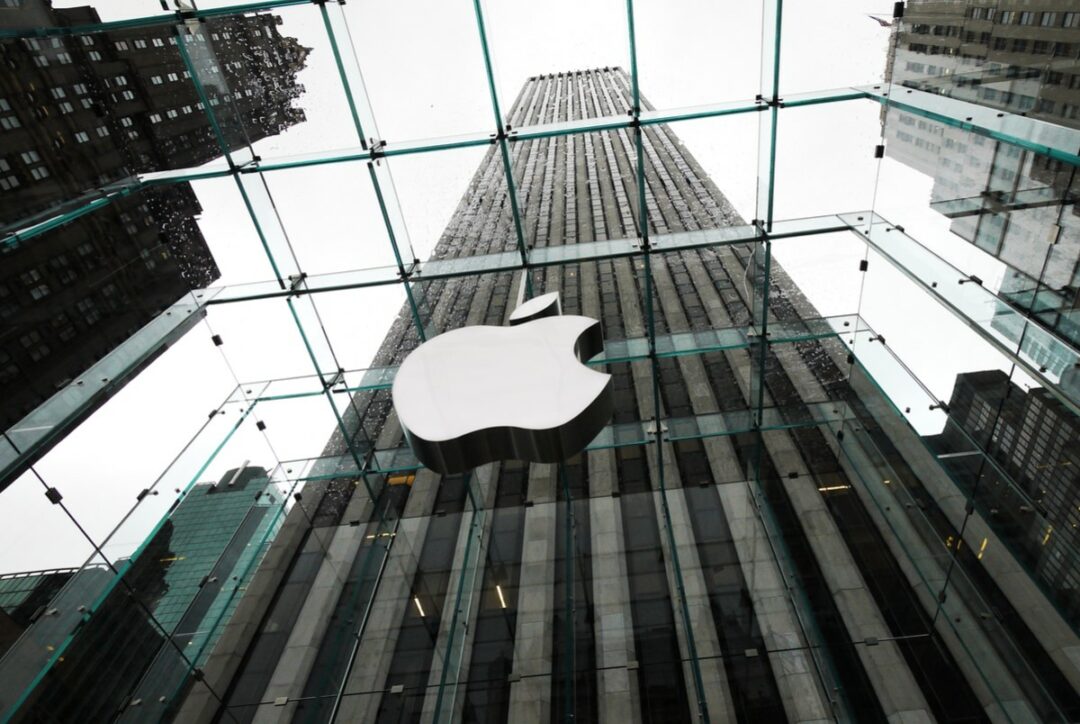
(744, 576)
(1032, 442)
(80, 115)
(1012, 202)
(139, 645)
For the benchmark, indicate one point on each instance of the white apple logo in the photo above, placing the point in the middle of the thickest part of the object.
(479, 394)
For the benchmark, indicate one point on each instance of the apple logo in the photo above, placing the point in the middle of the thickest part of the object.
(479, 394)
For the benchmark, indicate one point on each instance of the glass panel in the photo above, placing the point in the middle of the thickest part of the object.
(825, 159)
(845, 52)
(1019, 60)
(710, 39)
(410, 96)
(72, 294)
(53, 418)
(987, 314)
(352, 236)
(248, 347)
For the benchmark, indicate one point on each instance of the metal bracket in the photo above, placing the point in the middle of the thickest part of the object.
(338, 378)
(295, 280)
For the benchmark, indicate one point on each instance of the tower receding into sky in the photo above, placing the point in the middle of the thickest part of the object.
(740, 574)
(80, 115)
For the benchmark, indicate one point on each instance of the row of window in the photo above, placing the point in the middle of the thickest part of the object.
(1050, 19)
(1013, 45)
(63, 58)
(171, 77)
(160, 43)
(31, 160)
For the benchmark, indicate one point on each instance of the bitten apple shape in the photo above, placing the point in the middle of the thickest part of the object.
(483, 393)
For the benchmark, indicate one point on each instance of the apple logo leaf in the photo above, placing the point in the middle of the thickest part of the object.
(483, 393)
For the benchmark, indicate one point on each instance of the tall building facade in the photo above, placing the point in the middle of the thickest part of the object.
(750, 576)
(23, 597)
(1013, 203)
(141, 643)
(1031, 437)
(81, 112)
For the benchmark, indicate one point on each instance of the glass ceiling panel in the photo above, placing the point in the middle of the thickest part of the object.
(972, 279)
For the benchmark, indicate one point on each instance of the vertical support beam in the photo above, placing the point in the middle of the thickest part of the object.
(500, 136)
(616, 686)
(531, 687)
(446, 684)
(361, 691)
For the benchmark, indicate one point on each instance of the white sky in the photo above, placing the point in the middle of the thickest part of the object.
(424, 71)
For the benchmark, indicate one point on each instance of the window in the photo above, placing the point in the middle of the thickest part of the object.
(41, 61)
(79, 88)
(7, 123)
(126, 122)
(4, 105)
(57, 92)
(121, 80)
(173, 76)
(1006, 17)
(33, 345)
(1070, 20)
(94, 55)
(1027, 18)
(128, 95)
(1048, 20)
(7, 183)
(61, 268)
(171, 113)
(155, 118)
(62, 327)
(64, 58)
(158, 43)
(86, 40)
(86, 103)
(66, 107)
(186, 110)
(37, 288)
(8, 370)
(81, 137)
(39, 173)
(4, 165)
(121, 45)
(31, 44)
(88, 310)
(30, 157)
(140, 43)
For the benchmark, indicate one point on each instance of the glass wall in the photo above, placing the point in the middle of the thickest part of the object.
(834, 261)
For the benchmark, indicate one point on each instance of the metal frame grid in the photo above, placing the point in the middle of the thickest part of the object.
(362, 460)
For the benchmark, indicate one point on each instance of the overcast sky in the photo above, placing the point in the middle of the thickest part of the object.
(424, 72)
